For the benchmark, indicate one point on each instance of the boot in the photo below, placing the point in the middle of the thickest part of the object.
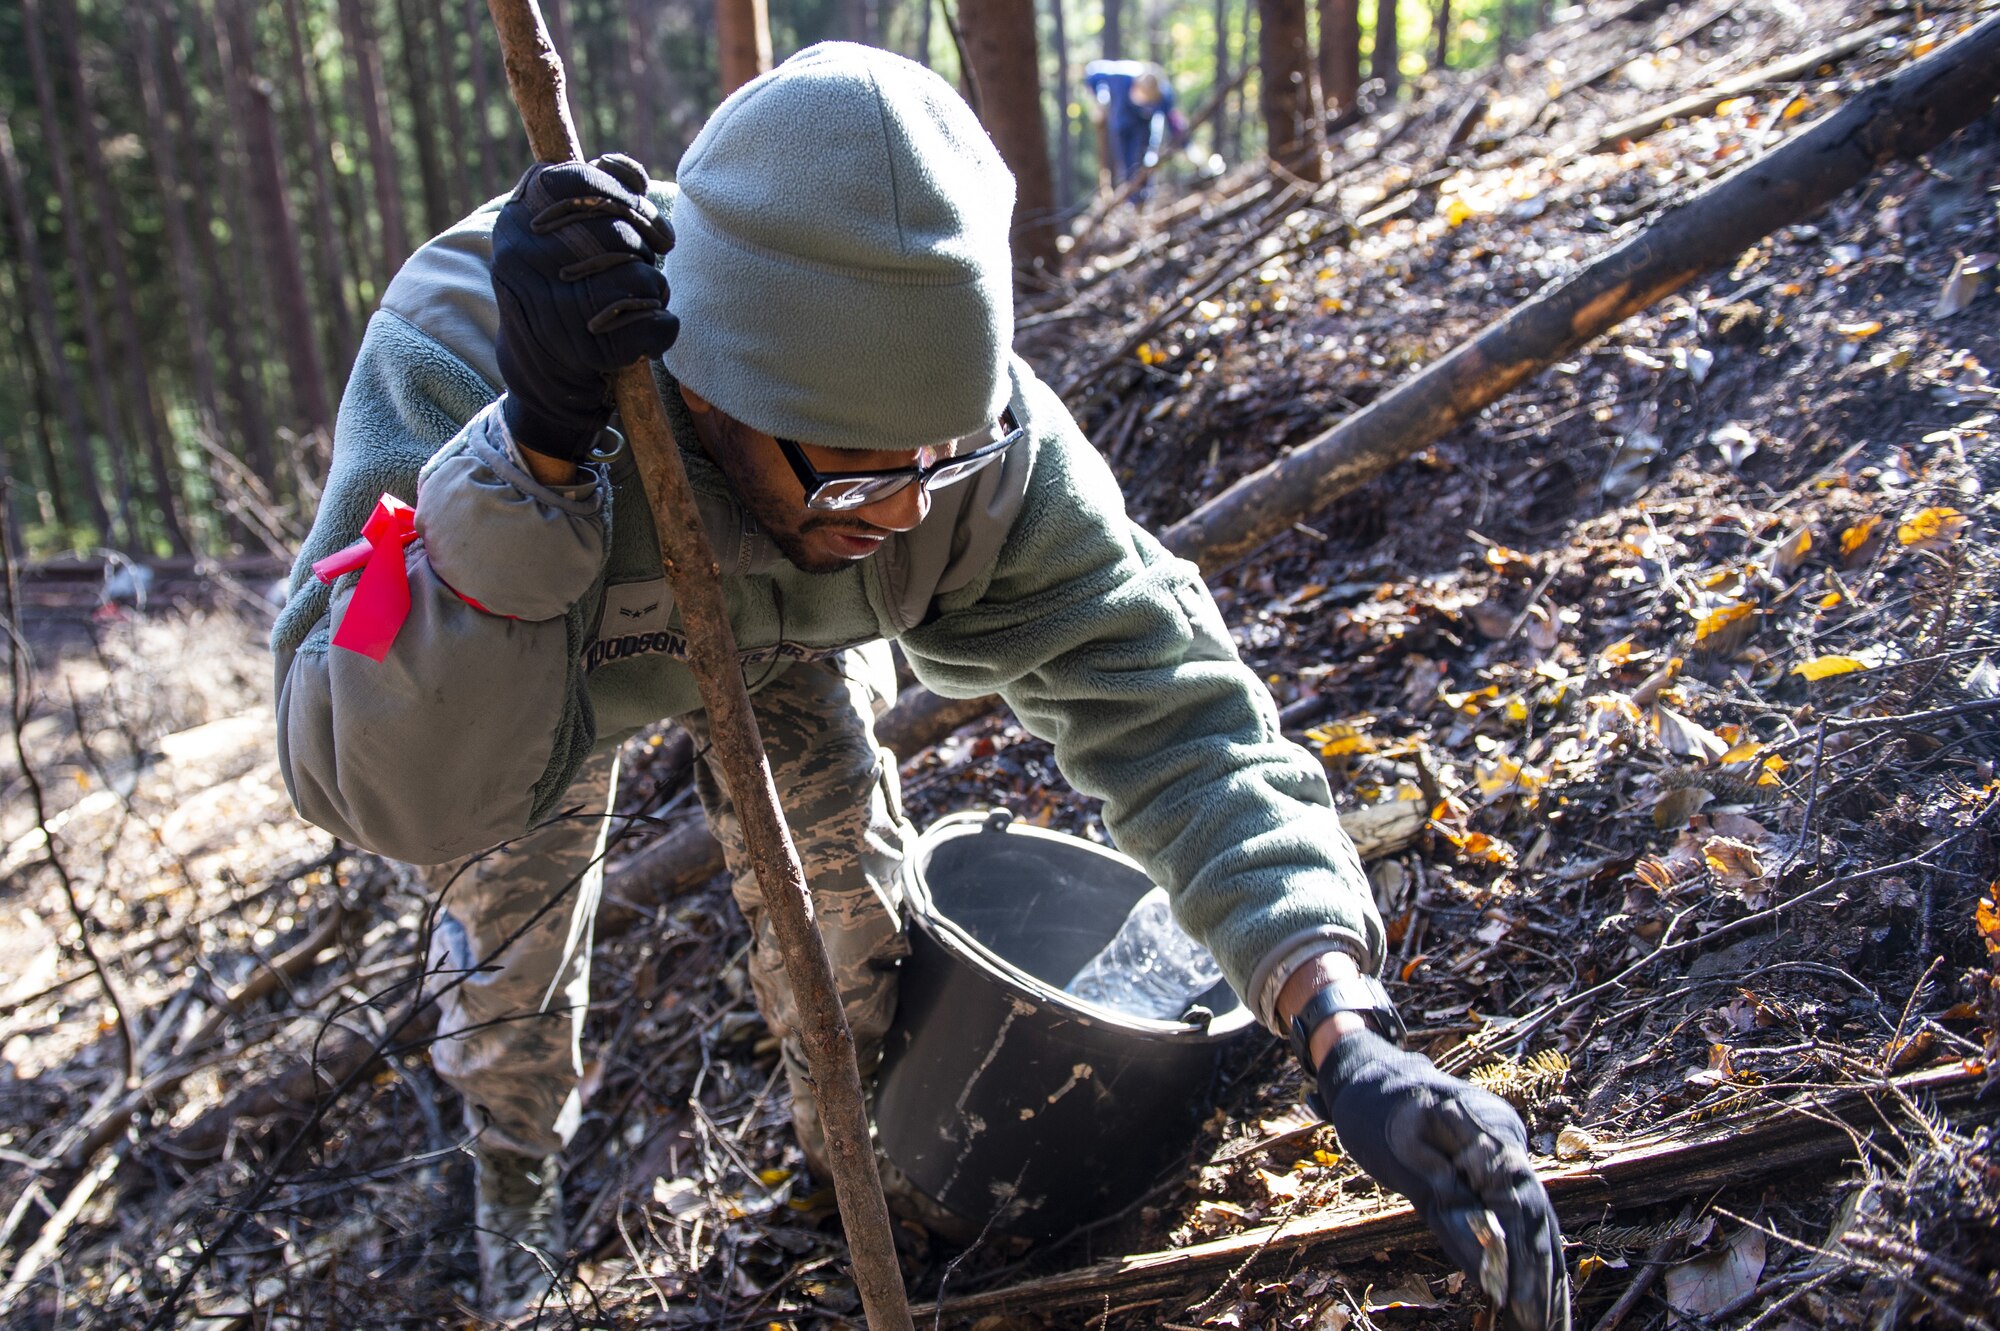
(517, 1209)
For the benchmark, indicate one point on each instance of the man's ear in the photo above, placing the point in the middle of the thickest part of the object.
(696, 403)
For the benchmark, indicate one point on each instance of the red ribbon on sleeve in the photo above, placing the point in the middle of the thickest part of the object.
(381, 601)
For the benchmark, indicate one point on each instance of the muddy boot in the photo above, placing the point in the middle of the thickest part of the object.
(517, 1209)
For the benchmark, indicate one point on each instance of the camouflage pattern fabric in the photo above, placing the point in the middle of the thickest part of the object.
(508, 1036)
(514, 925)
(842, 802)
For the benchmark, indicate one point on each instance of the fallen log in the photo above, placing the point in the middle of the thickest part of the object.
(1634, 128)
(690, 856)
(1814, 1132)
(1900, 117)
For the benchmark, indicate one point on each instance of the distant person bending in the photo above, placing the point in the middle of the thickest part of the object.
(1135, 106)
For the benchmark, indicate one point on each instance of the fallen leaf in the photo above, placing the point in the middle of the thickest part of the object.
(1986, 918)
(1908, 1051)
(1733, 862)
(1677, 806)
(1825, 667)
(1965, 285)
(1574, 1143)
(1709, 1283)
(1741, 753)
(1790, 552)
(1413, 1291)
(1858, 330)
(1720, 618)
(1857, 542)
(1684, 738)
(1932, 528)
(1281, 1187)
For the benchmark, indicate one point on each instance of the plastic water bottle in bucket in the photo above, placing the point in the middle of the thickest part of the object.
(1150, 968)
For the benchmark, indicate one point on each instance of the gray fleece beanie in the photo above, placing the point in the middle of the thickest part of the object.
(840, 267)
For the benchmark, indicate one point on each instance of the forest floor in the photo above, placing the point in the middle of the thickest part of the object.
(1685, 654)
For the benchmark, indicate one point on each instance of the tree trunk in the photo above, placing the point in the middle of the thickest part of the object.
(1241, 112)
(52, 494)
(83, 273)
(1383, 64)
(924, 32)
(1293, 126)
(1223, 73)
(636, 61)
(417, 95)
(742, 41)
(274, 217)
(1441, 35)
(1000, 44)
(463, 185)
(332, 263)
(859, 19)
(110, 226)
(1340, 54)
(241, 371)
(165, 153)
(46, 335)
(373, 108)
(496, 162)
(1065, 129)
(1114, 29)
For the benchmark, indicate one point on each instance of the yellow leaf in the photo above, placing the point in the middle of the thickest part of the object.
(1854, 332)
(1742, 753)
(1708, 625)
(1794, 109)
(1341, 740)
(1469, 701)
(1791, 552)
(1732, 105)
(1825, 667)
(1923, 47)
(1618, 653)
(771, 1178)
(1931, 528)
(1859, 535)
(1457, 213)
(1148, 355)
(1986, 917)
(1734, 862)
(1830, 600)
(1588, 1267)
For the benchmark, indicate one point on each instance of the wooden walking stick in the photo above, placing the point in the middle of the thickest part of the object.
(535, 73)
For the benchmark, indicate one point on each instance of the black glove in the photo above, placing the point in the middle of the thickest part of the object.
(1458, 1153)
(576, 270)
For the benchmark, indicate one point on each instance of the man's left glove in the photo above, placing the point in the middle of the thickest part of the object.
(576, 255)
(1460, 1154)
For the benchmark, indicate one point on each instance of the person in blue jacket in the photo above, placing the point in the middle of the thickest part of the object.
(1135, 104)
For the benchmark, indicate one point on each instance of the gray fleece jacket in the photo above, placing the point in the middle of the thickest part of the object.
(1027, 580)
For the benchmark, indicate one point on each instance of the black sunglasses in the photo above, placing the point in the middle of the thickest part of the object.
(838, 491)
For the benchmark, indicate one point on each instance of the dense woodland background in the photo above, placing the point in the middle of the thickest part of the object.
(203, 199)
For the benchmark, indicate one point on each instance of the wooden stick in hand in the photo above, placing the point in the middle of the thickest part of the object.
(535, 73)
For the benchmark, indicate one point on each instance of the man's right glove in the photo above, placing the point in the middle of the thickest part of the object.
(1460, 1154)
(576, 271)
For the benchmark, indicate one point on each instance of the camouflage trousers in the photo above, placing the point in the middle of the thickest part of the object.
(509, 926)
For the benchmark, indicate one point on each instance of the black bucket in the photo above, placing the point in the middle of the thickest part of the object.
(1002, 1097)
